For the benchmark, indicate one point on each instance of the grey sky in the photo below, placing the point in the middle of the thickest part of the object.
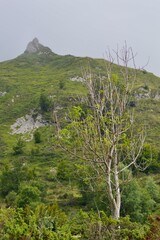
(82, 27)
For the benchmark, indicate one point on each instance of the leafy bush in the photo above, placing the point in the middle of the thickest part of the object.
(45, 103)
(11, 199)
(149, 158)
(37, 137)
(28, 195)
(45, 222)
(9, 181)
(51, 223)
(90, 225)
(61, 84)
(19, 147)
(11, 178)
(139, 199)
(65, 170)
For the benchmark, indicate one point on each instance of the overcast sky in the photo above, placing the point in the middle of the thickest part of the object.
(82, 27)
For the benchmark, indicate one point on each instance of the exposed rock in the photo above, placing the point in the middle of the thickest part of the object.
(157, 97)
(77, 79)
(28, 124)
(142, 96)
(2, 94)
(80, 79)
(146, 93)
(35, 47)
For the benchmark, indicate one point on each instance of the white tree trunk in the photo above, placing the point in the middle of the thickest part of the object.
(114, 193)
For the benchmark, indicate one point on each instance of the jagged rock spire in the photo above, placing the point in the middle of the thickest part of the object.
(34, 46)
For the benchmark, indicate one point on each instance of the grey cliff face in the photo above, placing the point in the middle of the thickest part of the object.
(35, 47)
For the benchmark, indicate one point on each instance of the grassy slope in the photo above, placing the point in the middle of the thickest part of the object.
(27, 76)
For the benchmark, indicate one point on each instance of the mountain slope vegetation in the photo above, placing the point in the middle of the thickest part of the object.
(35, 173)
(25, 78)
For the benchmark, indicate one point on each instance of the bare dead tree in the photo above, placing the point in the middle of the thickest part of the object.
(106, 137)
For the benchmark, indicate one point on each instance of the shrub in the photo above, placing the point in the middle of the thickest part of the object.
(61, 84)
(19, 147)
(28, 195)
(45, 103)
(98, 226)
(37, 137)
(138, 201)
(45, 222)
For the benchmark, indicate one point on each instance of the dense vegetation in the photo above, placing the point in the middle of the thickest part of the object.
(47, 193)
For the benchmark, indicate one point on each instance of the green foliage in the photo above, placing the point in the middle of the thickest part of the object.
(45, 103)
(76, 113)
(19, 147)
(49, 222)
(152, 188)
(45, 222)
(37, 137)
(92, 188)
(11, 199)
(139, 200)
(28, 195)
(90, 225)
(10, 180)
(149, 158)
(61, 84)
(65, 170)
(52, 73)
(35, 151)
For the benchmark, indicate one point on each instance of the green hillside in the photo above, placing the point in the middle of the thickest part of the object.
(26, 77)
(32, 87)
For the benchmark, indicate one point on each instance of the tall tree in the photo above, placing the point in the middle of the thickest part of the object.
(105, 136)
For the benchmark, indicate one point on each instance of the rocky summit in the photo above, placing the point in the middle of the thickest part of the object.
(35, 47)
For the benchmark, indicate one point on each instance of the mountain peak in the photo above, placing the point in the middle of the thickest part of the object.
(35, 47)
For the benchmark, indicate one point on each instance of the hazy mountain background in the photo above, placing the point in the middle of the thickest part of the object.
(82, 28)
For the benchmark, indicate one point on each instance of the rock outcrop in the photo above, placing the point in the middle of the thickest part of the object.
(35, 47)
(2, 94)
(28, 124)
